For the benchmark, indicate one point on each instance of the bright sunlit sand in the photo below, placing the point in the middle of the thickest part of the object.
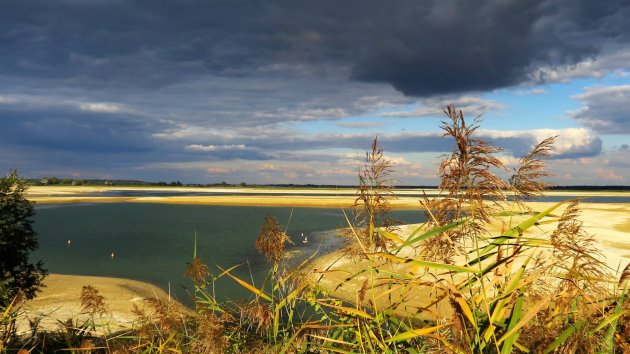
(60, 300)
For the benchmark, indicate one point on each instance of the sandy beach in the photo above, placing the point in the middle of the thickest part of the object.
(60, 301)
(609, 222)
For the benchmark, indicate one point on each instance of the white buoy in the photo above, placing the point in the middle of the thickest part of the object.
(69, 242)
(112, 255)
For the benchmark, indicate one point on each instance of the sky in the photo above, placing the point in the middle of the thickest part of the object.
(295, 91)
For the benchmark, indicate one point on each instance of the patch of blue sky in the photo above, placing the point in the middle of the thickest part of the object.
(614, 142)
(539, 107)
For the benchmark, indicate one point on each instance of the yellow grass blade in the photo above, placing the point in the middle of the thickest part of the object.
(333, 340)
(466, 309)
(390, 236)
(415, 333)
(246, 285)
(349, 310)
(5, 315)
(532, 312)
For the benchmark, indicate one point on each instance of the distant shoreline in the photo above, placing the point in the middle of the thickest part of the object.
(241, 196)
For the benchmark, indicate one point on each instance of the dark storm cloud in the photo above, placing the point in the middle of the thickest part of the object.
(106, 86)
(85, 132)
(605, 109)
(420, 48)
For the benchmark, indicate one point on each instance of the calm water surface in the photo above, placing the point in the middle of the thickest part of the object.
(154, 242)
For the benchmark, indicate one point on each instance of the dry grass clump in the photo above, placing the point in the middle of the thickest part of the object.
(271, 240)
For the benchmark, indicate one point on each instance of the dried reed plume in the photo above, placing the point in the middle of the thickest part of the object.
(92, 302)
(209, 336)
(197, 271)
(532, 168)
(472, 189)
(271, 240)
(576, 255)
(257, 313)
(373, 195)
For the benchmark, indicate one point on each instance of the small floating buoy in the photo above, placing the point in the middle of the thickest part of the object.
(112, 255)
(69, 242)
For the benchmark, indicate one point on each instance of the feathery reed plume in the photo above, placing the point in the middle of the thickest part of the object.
(472, 189)
(526, 180)
(373, 195)
(257, 313)
(576, 254)
(197, 271)
(92, 302)
(271, 240)
(209, 336)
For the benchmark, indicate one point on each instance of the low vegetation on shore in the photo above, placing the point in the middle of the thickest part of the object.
(450, 286)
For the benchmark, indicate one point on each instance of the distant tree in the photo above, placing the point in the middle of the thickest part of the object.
(17, 240)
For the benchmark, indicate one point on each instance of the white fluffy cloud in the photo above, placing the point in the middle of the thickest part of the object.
(101, 107)
(206, 148)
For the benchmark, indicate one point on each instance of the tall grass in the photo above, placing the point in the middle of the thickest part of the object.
(449, 286)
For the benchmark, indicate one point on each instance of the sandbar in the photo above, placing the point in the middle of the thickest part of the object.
(242, 196)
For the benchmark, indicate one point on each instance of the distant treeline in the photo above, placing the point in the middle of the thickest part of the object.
(47, 181)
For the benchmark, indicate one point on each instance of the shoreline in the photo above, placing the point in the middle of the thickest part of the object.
(239, 196)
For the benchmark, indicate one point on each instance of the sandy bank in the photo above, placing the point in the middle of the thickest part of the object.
(60, 300)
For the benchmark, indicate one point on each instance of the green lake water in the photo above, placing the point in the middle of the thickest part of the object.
(154, 242)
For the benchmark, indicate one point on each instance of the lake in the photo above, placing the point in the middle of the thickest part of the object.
(154, 242)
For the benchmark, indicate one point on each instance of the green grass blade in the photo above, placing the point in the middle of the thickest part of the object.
(426, 264)
(433, 232)
(515, 317)
(517, 230)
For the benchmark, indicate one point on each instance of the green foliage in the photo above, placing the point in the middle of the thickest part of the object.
(17, 239)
